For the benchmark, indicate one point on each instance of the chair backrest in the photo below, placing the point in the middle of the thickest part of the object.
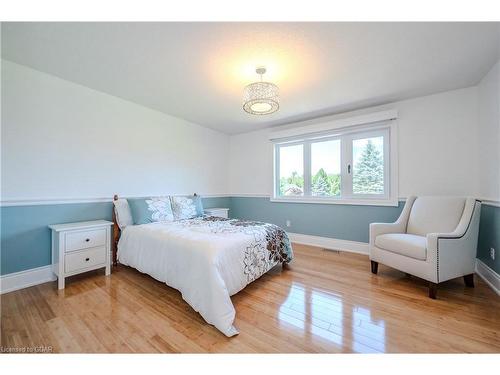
(435, 215)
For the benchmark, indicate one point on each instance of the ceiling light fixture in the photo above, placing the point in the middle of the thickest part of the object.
(261, 98)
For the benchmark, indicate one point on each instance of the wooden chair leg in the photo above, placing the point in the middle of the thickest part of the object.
(284, 265)
(469, 280)
(374, 267)
(432, 290)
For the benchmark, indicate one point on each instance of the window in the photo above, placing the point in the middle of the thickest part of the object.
(325, 168)
(338, 166)
(291, 172)
(368, 165)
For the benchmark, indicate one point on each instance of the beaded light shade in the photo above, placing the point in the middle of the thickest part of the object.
(261, 98)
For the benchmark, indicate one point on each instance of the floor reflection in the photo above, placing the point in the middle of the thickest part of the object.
(323, 315)
(315, 312)
(367, 334)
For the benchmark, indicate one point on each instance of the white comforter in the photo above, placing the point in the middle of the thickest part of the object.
(206, 259)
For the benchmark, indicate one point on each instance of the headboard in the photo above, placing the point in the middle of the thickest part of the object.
(116, 233)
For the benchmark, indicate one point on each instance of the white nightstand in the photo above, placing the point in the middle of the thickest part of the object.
(220, 212)
(80, 247)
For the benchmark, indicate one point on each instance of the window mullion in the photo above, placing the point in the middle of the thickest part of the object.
(387, 165)
(346, 161)
(276, 170)
(307, 169)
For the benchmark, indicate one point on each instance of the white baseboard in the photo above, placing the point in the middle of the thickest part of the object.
(489, 276)
(40, 275)
(330, 243)
(25, 279)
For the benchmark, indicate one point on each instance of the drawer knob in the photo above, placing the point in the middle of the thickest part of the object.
(87, 239)
(87, 259)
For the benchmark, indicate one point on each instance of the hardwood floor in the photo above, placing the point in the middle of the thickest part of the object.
(323, 302)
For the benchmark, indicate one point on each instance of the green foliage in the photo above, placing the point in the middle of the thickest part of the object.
(293, 185)
(368, 173)
(296, 180)
(320, 183)
(334, 180)
(324, 184)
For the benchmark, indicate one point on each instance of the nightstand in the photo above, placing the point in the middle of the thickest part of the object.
(80, 247)
(219, 212)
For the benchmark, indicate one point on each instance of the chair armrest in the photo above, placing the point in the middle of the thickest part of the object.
(455, 251)
(376, 229)
(462, 227)
(432, 237)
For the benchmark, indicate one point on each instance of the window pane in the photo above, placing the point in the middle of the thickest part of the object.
(368, 165)
(325, 168)
(291, 170)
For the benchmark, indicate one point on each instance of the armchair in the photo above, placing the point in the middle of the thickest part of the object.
(434, 238)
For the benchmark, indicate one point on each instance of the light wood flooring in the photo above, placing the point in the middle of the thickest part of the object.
(324, 301)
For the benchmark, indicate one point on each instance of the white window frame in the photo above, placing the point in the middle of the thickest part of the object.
(386, 128)
(348, 140)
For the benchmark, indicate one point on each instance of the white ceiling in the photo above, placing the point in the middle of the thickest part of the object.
(197, 71)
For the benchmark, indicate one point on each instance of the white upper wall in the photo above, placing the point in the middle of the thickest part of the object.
(61, 140)
(489, 134)
(438, 148)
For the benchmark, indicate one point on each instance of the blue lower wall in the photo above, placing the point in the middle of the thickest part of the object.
(346, 222)
(25, 237)
(489, 236)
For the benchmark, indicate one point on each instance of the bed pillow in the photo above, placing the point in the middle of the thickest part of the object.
(122, 212)
(150, 210)
(186, 207)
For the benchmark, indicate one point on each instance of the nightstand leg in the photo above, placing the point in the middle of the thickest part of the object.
(60, 282)
(108, 270)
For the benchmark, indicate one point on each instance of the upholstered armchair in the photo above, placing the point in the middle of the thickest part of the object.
(434, 238)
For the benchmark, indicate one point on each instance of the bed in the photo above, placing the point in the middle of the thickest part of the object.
(208, 259)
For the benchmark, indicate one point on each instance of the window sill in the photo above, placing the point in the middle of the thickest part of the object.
(354, 202)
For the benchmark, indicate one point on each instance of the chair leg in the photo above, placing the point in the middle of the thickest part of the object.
(432, 290)
(469, 280)
(374, 267)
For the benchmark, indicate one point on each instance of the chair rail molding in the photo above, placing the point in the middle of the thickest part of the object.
(49, 201)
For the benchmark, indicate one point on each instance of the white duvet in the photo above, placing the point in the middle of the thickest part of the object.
(207, 259)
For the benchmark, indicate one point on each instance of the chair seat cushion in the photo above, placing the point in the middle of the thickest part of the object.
(409, 245)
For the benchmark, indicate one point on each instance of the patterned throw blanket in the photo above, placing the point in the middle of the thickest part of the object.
(270, 245)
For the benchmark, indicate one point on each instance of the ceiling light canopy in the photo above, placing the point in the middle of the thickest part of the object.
(261, 98)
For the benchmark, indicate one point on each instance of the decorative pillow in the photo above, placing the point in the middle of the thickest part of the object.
(150, 210)
(123, 214)
(186, 207)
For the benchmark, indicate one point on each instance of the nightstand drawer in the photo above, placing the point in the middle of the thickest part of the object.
(85, 239)
(84, 259)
